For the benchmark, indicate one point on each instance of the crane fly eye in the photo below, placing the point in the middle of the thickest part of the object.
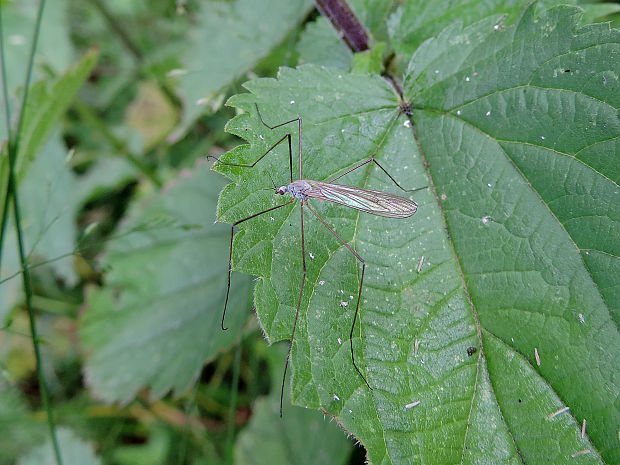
(281, 190)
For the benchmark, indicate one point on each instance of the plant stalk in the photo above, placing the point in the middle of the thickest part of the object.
(12, 192)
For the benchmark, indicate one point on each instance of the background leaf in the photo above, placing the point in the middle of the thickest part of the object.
(225, 27)
(299, 437)
(158, 332)
(54, 50)
(319, 44)
(47, 103)
(49, 207)
(74, 451)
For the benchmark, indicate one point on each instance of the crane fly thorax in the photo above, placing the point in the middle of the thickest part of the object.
(297, 189)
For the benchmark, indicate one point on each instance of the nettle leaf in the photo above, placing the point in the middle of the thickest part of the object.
(229, 39)
(510, 260)
(521, 135)
(157, 320)
(269, 439)
(418, 20)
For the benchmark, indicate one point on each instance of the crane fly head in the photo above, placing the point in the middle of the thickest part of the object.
(278, 190)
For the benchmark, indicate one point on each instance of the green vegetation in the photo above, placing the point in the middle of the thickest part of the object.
(488, 322)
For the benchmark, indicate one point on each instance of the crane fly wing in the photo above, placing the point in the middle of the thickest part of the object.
(370, 201)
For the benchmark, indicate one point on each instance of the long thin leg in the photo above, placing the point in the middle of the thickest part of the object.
(301, 292)
(298, 119)
(372, 159)
(290, 159)
(359, 292)
(251, 165)
(232, 234)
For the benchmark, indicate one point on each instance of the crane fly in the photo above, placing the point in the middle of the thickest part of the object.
(366, 200)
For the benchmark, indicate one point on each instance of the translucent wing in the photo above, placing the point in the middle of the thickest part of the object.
(369, 201)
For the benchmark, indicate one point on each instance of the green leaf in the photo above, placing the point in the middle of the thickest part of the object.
(373, 14)
(107, 173)
(270, 439)
(228, 40)
(54, 49)
(521, 141)
(319, 44)
(47, 103)
(73, 450)
(598, 12)
(17, 431)
(370, 61)
(419, 20)
(514, 244)
(49, 205)
(157, 319)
